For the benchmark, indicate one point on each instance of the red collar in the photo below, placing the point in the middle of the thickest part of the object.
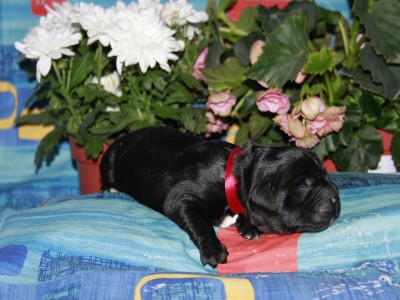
(230, 184)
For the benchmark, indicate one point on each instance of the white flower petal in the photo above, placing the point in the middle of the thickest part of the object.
(44, 65)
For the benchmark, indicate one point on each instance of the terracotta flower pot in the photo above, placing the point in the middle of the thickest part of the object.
(88, 168)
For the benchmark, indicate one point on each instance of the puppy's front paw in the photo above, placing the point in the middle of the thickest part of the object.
(213, 254)
(247, 230)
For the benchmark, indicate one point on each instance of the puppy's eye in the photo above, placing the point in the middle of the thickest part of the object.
(307, 182)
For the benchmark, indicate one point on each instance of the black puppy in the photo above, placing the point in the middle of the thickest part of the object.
(197, 183)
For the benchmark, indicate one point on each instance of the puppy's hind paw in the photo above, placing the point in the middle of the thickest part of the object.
(213, 255)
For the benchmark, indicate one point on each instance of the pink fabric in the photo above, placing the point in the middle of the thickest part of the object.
(268, 253)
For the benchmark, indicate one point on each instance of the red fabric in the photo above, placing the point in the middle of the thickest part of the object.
(268, 253)
(230, 184)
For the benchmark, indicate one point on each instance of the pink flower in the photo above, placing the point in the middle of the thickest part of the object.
(330, 120)
(291, 125)
(255, 51)
(298, 131)
(200, 63)
(311, 107)
(273, 101)
(301, 76)
(215, 124)
(221, 103)
(308, 141)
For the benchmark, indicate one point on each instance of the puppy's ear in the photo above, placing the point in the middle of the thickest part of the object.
(256, 176)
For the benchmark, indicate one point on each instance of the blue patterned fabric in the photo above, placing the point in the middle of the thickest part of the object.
(109, 231)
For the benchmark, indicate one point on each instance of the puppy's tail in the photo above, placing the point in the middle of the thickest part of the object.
(107, 168)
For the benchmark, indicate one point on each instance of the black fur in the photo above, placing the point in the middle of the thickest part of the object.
(282, 190)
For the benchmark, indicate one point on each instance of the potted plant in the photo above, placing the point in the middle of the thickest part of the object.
(102, 72)
(305, 75)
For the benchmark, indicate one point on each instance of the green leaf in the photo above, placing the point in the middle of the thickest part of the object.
(73, 125)
(273, 17)
(225, 76)
(284, 54)
(387, 75)
(154, 78)
(215, 50)
(80, 68)
(40, 118)
(370, 106)
(243, 45)
(382, 25)
(362, 153)
(118, 122)
(193, 119)
(388, 120)
(258, 124)
(395, 149)
(176, 93)
(320, 62)
(167, 112)
(242, 136)
(225, 4)
(93, 146)
(48, 147)
(364, 79)
(247, 21)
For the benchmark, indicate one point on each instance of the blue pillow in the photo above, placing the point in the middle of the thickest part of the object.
(109, 231)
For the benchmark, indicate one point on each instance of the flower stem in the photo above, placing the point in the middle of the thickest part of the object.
(58, 75)
(329, 88)
(65, 92)
(99, 65)
(344, 37)
(240, 103)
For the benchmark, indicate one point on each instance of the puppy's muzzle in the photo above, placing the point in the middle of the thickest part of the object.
(325, 212)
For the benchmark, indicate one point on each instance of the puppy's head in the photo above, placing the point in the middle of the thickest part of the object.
(286, 189)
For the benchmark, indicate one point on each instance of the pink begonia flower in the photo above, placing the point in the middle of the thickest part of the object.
(273, 101)
(215, 124)
(331, 119)
(291, 125)
(200, 63)
(298, 132)
(301, 76)
(311, 107)
(221, 103)
(308, 141)
(255, 51)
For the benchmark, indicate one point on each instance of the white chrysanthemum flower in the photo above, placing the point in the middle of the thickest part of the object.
(180, 13)
(98, 22)
(45, 44)
(62, 14)
(110, 83)
(143, 39)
